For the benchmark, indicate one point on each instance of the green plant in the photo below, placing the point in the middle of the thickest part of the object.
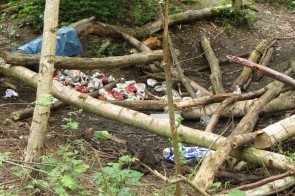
(236, 193)
(119, 180)
(65, 169)
(70, 123)
(215, 187)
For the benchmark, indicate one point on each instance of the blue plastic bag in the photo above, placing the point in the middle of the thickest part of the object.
(68, 43)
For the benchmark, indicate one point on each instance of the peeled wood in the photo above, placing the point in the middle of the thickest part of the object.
(86, 63)
(283, 102)
(276, 133)
(205, 175)
(246, 138)
(246, 73)
(140, 120)
(216, 76)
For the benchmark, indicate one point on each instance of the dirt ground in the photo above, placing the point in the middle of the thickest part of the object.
(271, 22)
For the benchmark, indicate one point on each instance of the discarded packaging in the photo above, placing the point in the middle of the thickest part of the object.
(190, 154)
(151, 82)
(205, 120)
(10, 93)
(237, 90)
(199, 94)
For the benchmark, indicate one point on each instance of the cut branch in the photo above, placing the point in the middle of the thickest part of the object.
(276, 133)
(246, 73)
(86, 63)
(264, 70)
(140, 120)
(216, 76)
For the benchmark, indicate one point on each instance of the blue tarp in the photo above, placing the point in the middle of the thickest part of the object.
(68, 43)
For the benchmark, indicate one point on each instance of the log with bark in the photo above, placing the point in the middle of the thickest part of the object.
(205, 175)
(264, 70)
(86, 63)
(91, 26)
(140, 120)
(264, 62)
(276, 133)
(283, 102)
(216, 76)
(246, 73)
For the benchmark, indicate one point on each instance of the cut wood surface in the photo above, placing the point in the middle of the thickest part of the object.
(205, 175)
(284, 102)
(254, 56)
(276, 133)
(137, 119)
(86, 63)
(265, 70)
(216, 75)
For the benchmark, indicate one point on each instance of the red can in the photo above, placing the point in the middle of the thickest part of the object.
(118, 96)
(104, 80)
(82, 89)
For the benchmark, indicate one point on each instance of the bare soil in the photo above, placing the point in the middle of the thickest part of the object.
(271, 22)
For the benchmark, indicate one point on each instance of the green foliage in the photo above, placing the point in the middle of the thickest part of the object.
(293, 156)
(64, 169)
(70, 123)
(215, 187)
(236, 193)
(138, 11)
(3, 157)
(119, 180)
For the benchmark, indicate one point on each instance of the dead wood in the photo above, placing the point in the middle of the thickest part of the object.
(272, 187)
(239, 109)
(4, 84)
(216, 76)
(86, 63)
(137, 119)
(276, 133)
(264, 70)
(90, 26)
(246, 138)
(265, 59)
(228, 101)
(238, 177)
(28, 112)
(255, 54)
(205, 175)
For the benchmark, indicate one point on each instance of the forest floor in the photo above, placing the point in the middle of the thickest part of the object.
(271, 22)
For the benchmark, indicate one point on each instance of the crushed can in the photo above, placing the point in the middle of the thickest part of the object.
(82, 89)
(190, 154)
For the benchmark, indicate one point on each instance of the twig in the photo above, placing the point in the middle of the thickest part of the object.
(102, 172)
(178, 179)
(11, 181)
(26, 167)
(264, 70)
(264, 181)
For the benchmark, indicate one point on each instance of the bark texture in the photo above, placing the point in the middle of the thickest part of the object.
(86, 63)
(137, 119)
(41, 115)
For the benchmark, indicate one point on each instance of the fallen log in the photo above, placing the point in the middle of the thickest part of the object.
(264, 70)
(205, 175)
(255, 54)
(270, 188)
(276, 133)
(283, 102)
(264, 62)
(85, 63)
(140, 120)
(90, 26)
(216, 76)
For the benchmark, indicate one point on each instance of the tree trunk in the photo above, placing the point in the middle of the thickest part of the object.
(140, 120)
(44, 98)
(86, 63)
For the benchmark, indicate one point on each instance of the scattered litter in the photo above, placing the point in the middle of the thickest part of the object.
(151, 82)
(190, 154)
(199, 94)
(237, 90)
(205, 120)
(10, 93)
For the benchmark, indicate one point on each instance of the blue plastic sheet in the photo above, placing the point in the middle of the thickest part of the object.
(68, 43)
